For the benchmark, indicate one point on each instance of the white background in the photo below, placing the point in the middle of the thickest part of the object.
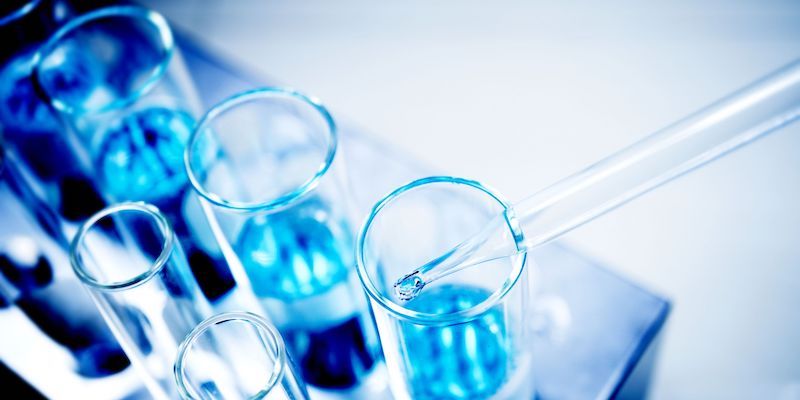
(518, 94)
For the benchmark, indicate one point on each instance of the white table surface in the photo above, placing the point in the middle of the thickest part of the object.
(518, 94)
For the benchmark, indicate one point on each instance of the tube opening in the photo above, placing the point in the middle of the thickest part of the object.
(230, 355)
(122, 246)
(261, 150)
(410, 226)
(103, 60)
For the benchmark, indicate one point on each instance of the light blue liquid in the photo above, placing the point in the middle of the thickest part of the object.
(141, 156)
(304, 254)
(464, 361)
(295, 254)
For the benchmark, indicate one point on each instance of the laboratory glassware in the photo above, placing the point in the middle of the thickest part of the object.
(44, 157)
(760, 108)
(264, 165)
(120, 85)
(236, 355)
(118, 81)
(37, 279)
(129, 259)
(466, 336)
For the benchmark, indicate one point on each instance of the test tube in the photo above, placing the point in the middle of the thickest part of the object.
(32, 131)
(264, 163)
(37, 279)
(466, 335)
(236, 355)
(136, 272)
(118, 82)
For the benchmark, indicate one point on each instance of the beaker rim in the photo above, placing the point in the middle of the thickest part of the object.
(253, 319)
(20, 12)
(138, 206)
(285, 199)
(431, 318)
(153, 17)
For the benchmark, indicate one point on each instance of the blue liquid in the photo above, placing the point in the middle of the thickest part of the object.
(294, 254)
(141, 157)
(21, 110)
(38, 138)
(302, 256)
(462, 361)
(337, 357)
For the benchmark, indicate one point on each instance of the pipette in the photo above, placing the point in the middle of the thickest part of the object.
(760, 108)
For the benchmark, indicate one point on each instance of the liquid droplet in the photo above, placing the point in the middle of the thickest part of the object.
(409, 286)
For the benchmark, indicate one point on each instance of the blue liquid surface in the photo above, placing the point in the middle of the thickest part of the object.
(296, 255)
(141, 157)
(464, 361)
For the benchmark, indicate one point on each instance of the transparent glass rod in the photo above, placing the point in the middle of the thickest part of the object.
(737, 120)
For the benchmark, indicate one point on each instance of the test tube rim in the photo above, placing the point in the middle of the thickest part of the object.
(155, 267)
(20, 12)
(253, 319)
(287, 199)
(156, 19)
(430, 318)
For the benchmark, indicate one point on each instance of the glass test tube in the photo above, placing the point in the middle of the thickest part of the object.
(37, 279)
(32, 131)
(466, 335)
(119, 83)
(135, 269)
(236, 355)
(263, 163)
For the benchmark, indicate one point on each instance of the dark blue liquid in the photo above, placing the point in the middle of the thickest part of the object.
(297, 256)
(334, 357)
(62, 310)
(462, 361)
(33, 131)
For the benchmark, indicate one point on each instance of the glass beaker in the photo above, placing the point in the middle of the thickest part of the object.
(264, 163)
(130, 260)
(236, 355)
(466, 336)
(119, 83)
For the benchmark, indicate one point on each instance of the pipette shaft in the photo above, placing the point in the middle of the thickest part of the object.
(735, 121)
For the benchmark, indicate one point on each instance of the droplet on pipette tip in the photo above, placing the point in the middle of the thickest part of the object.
(409, 286)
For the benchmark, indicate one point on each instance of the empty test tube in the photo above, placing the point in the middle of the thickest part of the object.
(236, 355)
(129, 259)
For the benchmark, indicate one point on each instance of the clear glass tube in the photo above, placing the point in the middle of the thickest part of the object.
(466, 335)
(38, 280)
(32, 131)
(118, 81)
(236, 355)
(264, 165)
(120, 85)
(763, 107)
(136, 272)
